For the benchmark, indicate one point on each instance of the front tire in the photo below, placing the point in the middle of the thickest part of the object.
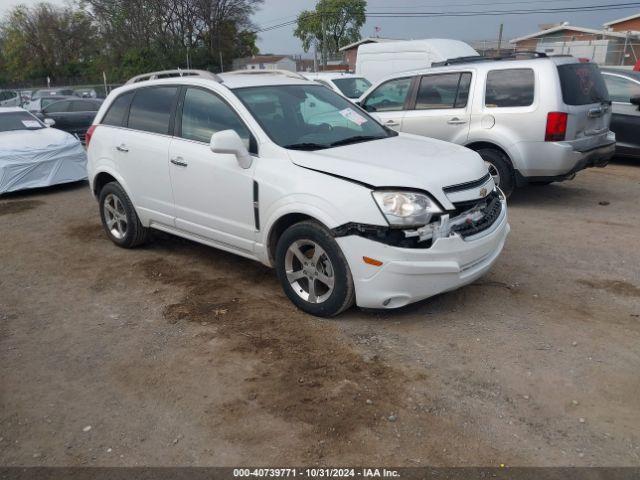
(313, 271)
(119, 219)
(500, 169)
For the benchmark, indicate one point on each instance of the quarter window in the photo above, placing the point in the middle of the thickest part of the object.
(151, 109)
(389, 97)
(510, 88)
(204, 114)
(118, 109)
(448, 90)
(621, 89)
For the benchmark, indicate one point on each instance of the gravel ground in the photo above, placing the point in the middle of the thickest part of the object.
(179, 354)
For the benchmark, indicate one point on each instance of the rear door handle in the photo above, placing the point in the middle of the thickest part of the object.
(179, 161)
(391, 123)
(456, 121)
(122, 148)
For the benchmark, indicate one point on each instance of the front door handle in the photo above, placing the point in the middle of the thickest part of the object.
(391, 123)
(122, 148)
(179, 161)
(456, 121)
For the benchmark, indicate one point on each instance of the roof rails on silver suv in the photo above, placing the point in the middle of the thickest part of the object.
(174, 73)
(275, 71)
(479, 58)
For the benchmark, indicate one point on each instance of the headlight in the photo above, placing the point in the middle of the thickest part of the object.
(406, 209)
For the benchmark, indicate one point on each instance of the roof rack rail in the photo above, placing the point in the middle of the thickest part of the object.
(275, 71)
(480, 58)
(174, 73)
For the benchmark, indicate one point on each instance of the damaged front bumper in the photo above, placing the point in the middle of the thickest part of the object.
(457, 250)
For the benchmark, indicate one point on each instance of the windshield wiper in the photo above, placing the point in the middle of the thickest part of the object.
(356, 139)
(305, 146)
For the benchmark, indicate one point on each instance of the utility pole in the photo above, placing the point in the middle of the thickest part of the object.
(324, 43)
(500, 38)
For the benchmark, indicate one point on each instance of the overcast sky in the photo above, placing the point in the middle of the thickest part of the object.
(462, 28)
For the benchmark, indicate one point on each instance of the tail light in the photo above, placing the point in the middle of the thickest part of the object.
(87, 137)
(556, 127)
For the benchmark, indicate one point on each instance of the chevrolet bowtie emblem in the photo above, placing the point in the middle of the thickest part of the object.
(483, 192)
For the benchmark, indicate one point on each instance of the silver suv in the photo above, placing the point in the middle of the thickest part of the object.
(533, 120)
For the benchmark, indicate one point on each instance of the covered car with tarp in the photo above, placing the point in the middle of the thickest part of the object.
(33, 155)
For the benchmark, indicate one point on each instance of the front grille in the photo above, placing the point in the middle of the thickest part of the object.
(490, 206)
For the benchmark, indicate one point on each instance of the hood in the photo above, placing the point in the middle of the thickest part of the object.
(40, 139)
(405, 161)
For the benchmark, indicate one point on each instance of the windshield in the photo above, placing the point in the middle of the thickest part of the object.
(352, 87)
(582, 84)
(309, 117)
(11, 121)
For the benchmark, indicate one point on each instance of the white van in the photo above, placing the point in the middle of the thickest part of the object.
(378, 60)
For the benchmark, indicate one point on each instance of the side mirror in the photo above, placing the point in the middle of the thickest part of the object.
(49, 122)
(228, 141)
(635, 101)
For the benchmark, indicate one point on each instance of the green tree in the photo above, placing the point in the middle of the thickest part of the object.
(332, 25)
(47, 41)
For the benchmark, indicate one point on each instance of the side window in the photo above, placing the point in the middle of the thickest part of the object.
(621, 89)
(389, 97)
(84, 106)
(57, 107)
(509, 88)
(204, 113)
(448, 90)
(151, 109)
(118, 109)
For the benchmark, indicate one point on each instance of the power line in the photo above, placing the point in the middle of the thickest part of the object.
(587, 8)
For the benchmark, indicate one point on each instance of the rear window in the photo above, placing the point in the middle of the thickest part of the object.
(512, 87)
(118, 109)
(582, 84)
(352, 87)
(10, 121)
(151, 109)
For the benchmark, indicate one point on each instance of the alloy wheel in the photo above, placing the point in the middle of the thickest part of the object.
(493, 171)
(309, 271)
(115, 216)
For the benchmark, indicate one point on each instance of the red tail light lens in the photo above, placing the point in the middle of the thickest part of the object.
(556, 127)
(87, 137)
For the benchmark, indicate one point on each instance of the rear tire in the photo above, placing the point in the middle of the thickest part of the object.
(119, 219)
(313, 271)
(500, 169)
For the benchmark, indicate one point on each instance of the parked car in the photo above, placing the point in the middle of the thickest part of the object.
(34, 155)
(73, 115)
(52, 92)
(9, 98)
(347, 84)
(376, 61)
(36, 105)
(534, 120)
(345, 209)
(624, 91)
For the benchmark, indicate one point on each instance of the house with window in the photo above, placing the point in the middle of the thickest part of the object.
(616, 44)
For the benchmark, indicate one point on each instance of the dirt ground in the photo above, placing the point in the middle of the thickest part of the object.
(179, 354)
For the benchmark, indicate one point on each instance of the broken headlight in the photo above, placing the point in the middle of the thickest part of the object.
(406, 209)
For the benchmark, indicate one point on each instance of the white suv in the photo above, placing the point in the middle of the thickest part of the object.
(288, 173)
(534, 120)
